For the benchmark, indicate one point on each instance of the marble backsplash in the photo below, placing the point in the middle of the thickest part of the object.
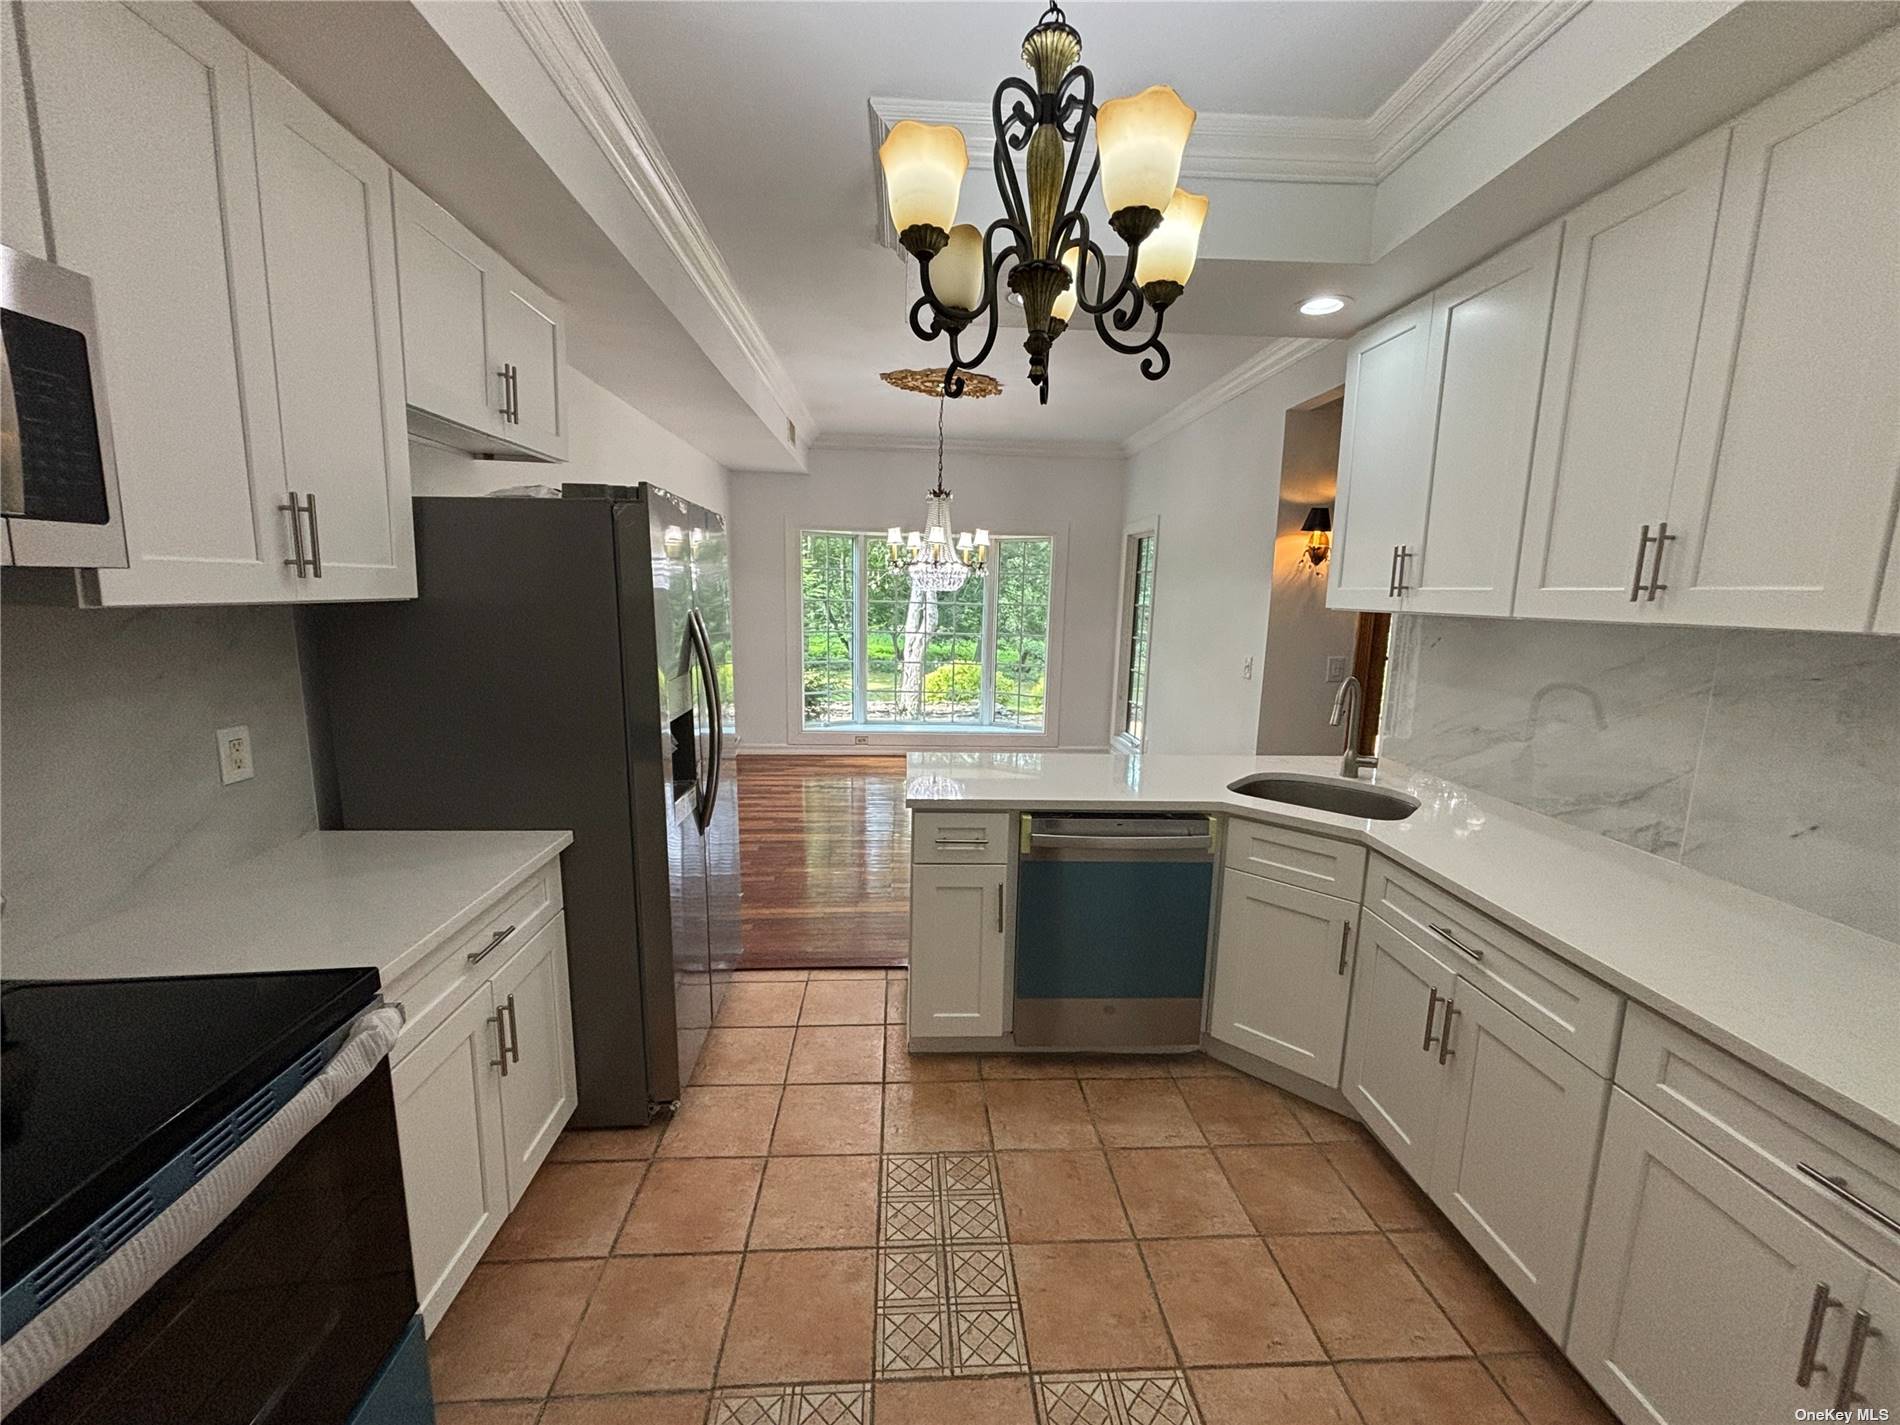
(1764, 758)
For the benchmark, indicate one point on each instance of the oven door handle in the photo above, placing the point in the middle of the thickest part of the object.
(1061, 840)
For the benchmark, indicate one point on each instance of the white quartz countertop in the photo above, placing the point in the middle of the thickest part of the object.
(1811, 1002)
(326, 900)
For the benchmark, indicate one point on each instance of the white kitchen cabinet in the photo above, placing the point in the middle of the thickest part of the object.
(537, 1084)
(1887, 612)
(22, 224)
(336, 341)
(1630, 285)
(1875, 1378)
(484, 349)
(1382, 455)
(1393, 1070)
(1516, 1148)
(1483, 369)
(454, 1162)
(1283, 974)
(957, 961)
(1791, 449)
(1700, 1294)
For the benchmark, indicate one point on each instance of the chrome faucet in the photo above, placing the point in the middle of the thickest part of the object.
(1346, 705)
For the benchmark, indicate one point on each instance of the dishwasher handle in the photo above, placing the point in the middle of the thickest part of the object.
(1070, 841)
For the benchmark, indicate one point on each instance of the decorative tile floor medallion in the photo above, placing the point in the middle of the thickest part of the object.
(946, 1284)
(1116, 1398)
(793, 1405)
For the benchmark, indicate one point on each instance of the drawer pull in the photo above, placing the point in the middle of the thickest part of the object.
(1805, 1368)
(1850, 1368)
(494, 943)
(1840, 1189)
(950, 844)
(1456, 943)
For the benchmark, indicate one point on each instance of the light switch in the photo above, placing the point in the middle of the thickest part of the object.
(1336, 668)
(234, 755)
(1246, 670)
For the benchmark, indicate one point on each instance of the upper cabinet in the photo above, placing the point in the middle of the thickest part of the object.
(484, 349)
(1381, 461)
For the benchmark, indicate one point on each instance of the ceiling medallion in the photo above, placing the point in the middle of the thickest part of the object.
(928, 381)
(1046, 256)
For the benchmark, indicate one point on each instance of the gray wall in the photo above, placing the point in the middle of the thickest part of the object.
(1768, 759)
(108, 760)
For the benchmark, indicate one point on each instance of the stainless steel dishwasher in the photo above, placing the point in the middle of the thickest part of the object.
(1111, 930)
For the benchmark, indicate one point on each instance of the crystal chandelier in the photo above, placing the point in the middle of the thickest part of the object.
(1041, 247)
(937, 558)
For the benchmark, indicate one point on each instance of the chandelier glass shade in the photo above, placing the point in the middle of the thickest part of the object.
(938, 558)
(1042, 249)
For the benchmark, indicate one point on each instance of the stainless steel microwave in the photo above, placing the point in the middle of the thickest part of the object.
(59, 485)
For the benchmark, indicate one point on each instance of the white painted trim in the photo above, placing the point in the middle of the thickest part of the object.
(972, 445)
(1147, 527)
(1262, 366)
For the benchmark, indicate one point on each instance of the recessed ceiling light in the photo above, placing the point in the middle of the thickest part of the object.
(1323, 305)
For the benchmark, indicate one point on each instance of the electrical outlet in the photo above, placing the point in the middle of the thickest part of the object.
(1246, 670)
(862, 741)
(1336, 668)
(234, 755)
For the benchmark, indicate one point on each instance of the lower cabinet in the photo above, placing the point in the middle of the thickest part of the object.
(957, 962)
(537, 1080)
(1392, 1073)
(1703, 1299)
(1283, 974)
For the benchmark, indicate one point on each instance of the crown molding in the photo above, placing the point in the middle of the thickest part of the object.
(570, 51)
(971, 445)
(1262, 366)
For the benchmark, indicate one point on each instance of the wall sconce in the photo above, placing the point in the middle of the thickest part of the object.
(1318, 530)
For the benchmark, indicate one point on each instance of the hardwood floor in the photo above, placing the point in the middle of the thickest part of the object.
(824, 845)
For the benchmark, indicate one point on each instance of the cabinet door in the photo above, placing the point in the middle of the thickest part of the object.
(151, 185)
(1698, 1288)
(1887, 613)
(1630, 285)
(1400, 1001)
(530, 338)
(956, 951)
(1484, 364)
(1381, 461)
(1876, 1380)
(448, 279)
(1282, 974)
(537, 1087)
(454, 1167)
(330, 260)
(1791, 453)
(1517, 1143)
(22, 224)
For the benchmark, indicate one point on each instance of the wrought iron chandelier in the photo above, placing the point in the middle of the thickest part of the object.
(938, 559)
(1042, 247)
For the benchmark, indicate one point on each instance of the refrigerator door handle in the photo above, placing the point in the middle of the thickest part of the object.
(718, 714)
(709, 683)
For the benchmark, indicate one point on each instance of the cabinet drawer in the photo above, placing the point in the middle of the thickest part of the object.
(433, 991)
(1765, 1130)
(945, 838)
(1296, 858)
(1556, 999)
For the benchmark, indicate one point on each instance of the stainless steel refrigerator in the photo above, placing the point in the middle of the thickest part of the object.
(568, 663)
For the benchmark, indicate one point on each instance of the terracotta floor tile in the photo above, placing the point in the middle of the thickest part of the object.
(1383, 1189)
(1227, 1304)
(1177, 1192)
(934, 1118)
(1003, 1400)
(801, 1316)
(1479, 1305)
(1547, 1391)
(1273, 1395)
(669, 1409)
(902, 1066)
(1060, 1197)
(600, 1145)
(1141, 1113)
(489, 1412)
(1362, 1298)
(744, 1056)
(1039, 1113)
(1088, 1306)
(693, 1205)
(1426, 1393)
(569, 1210)
(1028, 1066)
(817, 1202)
(722, 1123)
(829, 1118)
(838, 1054)
(654, 1324)
(508, 1329)
(843, 1002)
(761, 1002)
(1292, 1188)
(1236, 1110)
(896, 1001)
(1322, 1125)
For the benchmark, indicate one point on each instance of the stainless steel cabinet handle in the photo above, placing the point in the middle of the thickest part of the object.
(1392, 575)
(1656, 585)
(1823, 1302)
(514, 1031)
(999, 907)
(1345, 938)
(494, 941)
(301, 560)
(1445, 1050)
(1455, 942)
(1850, 1367)
(1431, 1013)
(1398, 582)
(1636, 580)
(316, 539)
(1119, 843)
(945, 844)
(510, 407)
(501, 1043)
(1838, 1186)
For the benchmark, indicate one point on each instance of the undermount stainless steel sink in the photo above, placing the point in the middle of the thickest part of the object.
(1327, 794)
